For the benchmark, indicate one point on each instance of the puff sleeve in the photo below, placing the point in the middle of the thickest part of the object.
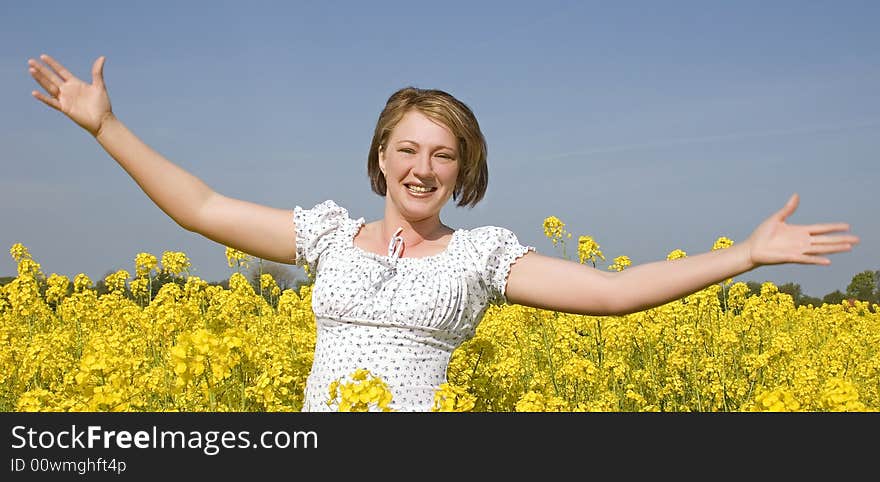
(498, 248)
(315, 231)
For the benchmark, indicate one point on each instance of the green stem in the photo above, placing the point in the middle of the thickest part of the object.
(548, 350)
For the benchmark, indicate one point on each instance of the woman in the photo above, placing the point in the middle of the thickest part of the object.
(396, 296)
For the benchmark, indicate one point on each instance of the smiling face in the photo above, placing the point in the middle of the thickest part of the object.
(420, 153)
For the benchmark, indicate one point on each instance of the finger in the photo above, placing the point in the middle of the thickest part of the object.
(834, 239)
(45, 82)
(829, 248)
(47, 72)
(827, 227)
(51, 102)
(812, 260)
(62, 72)
(98, 72)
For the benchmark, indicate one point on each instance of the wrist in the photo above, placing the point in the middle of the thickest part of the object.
(748, 263)
(106, 119)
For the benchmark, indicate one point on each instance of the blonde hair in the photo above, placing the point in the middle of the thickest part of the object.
(473, 172)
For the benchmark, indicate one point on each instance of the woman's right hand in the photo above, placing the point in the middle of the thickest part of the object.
(86, 104)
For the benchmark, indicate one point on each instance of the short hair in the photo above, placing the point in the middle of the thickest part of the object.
(473, 171)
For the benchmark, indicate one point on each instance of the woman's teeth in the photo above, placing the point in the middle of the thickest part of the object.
(419, 189)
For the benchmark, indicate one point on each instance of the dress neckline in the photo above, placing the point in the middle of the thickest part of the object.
(360, 222)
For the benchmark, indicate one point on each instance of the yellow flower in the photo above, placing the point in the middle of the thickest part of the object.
(175, 263)
(144, 264)
(722, 243)
(768, 289)
(588, 250)
(554, 228)
(775, 401)
(531, 402)
(676, 254)
(737, 295)
(451, 398)
(268, 283)
(361, 391)
(81, 282)
(19, 252)
(56, 288)
(139, 287)
(116, 281)
(237, 258)
(840, 395)
(28, 267)
(620, 263)
(204, 347)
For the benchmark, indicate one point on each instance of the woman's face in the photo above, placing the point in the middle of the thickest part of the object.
(419, 152)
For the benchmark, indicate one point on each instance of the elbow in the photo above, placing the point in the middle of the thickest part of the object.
(621, 311)
(625, 298)
(606, 297)
(192, 222)
(613, 308)
(193, 219)
(186, 222)
(618, 296)
(187, 226)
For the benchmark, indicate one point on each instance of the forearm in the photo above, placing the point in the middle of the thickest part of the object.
(653, 284)
(177, 192)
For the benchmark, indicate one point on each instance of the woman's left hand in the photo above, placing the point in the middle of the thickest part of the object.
(775, 242)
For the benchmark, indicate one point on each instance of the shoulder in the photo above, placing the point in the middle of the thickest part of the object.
(320, 229)
(496, 249)
(494, 245)
(489, 237)
(322, 219)
(325, 210)
(329, 205)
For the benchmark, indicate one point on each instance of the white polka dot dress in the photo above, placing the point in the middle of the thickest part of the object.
(399, 318)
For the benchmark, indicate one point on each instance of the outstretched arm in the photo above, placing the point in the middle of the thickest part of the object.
(258, 230)
(560, 285)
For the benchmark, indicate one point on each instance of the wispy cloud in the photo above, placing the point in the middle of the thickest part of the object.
(736, 136)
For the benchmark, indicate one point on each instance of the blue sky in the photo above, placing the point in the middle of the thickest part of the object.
(650, 126)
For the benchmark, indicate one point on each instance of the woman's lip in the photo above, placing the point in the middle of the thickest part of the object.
(419, 194)
(405, 186)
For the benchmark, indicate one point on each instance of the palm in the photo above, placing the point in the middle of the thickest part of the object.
(86, 104)
(83, 103)
(775, 242)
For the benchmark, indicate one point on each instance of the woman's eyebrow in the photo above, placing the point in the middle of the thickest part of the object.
(416, 143)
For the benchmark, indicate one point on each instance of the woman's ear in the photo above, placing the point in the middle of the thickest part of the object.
(381, 151)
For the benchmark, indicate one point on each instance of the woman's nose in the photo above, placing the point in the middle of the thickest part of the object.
(423, 166)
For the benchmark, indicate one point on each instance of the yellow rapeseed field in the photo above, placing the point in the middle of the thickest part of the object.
(195, 347)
